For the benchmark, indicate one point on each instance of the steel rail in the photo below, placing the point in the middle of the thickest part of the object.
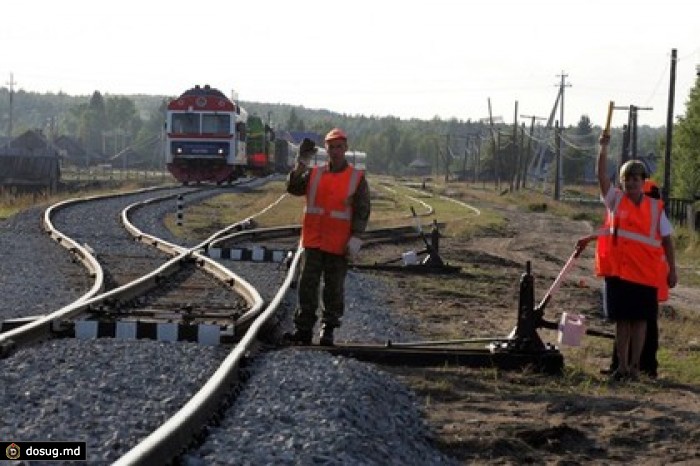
(44, 326)
(80, 251)
(170, 439)
(221, 273)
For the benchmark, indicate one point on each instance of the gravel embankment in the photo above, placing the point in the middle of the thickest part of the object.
(33, 269)
(297, 408)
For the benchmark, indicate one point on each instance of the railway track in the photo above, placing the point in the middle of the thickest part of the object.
(123, 296)
(158, 286)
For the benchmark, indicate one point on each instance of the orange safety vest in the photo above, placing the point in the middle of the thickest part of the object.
(328, 212)
(629, 245)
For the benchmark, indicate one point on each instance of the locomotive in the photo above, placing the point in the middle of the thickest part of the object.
(260, 147)
(205, 137)
(211, 138)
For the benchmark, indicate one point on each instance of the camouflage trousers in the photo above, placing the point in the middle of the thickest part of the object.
(317, 266)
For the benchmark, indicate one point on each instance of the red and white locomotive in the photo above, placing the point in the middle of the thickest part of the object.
(210, 138)
(205, 137)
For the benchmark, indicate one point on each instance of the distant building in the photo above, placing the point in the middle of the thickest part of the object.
(30, 162)
(71, 150)
(420, 167)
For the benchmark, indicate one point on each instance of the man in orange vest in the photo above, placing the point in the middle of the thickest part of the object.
(628, 255)
(336, 212)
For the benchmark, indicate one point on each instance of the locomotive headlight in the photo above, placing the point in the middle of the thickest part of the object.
(221, 151)
(179, 150)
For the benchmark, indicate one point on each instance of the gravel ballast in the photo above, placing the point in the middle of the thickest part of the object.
(298, 407)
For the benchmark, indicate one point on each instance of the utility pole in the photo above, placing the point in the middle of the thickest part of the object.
(467, 146)
(529, 145)
(630, 143)
(9, 124)
(521, 155)
(477, 161)
(560, 169)
(666, 188)
(557, 180)
(437, 159)
(497, 175)
(615, 179)
(515, 177)
(562, 85)
(448, 156)
(634, 112)
(464, 161)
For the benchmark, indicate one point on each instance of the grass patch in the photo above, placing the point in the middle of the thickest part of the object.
(681, 365)
(687, 246)
(12, 203)
(225, 209)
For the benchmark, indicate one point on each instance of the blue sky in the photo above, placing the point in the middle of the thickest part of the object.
(408, 59)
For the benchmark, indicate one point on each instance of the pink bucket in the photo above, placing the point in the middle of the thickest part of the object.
(572, 328)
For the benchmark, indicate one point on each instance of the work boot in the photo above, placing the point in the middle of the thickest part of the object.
(298, 338)
(326, 336)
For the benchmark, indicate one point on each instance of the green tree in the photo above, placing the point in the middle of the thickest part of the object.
(579, 150)
(685, 165)
(148, 142)
(294, 123)
(92, 122)
(120, 112)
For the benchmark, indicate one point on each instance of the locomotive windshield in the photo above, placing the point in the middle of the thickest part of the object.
(211, 123)
(185, 123)
(217, 124)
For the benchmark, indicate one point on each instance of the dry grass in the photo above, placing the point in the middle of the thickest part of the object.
(11, 202)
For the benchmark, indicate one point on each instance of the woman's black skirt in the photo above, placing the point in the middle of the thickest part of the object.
(630, 301)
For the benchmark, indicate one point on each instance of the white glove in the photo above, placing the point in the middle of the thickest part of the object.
(354, 245)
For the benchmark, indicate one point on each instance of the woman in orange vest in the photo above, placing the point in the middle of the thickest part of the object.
(648, 363)
(337, 210)
(628, 255)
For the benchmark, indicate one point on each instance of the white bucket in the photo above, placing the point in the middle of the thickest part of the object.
(572, 328)
(409, 258)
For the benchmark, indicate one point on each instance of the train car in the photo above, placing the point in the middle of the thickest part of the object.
(319, 158)
(357, 158)
(260, 147)
(205, 137)
(285, 153)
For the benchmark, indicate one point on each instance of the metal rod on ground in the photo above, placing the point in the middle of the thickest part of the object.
(391, 344)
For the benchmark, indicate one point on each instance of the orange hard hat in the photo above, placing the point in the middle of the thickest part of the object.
(336, 133)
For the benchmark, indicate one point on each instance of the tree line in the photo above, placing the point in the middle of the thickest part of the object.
(474, 150)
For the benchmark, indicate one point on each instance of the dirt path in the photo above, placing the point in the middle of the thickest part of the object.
(491, 417)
